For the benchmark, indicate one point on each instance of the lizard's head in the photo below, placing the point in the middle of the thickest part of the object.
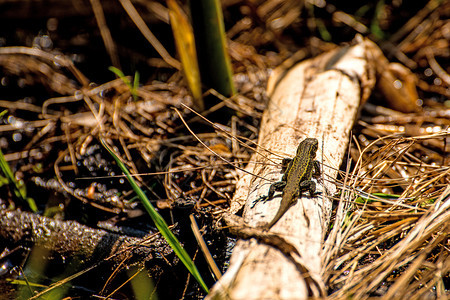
(310, 145)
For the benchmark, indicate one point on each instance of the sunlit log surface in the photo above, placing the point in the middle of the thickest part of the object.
(69, 238)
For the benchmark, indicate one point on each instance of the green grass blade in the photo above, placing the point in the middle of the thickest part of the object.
(120, 74)
(18, 188)
(159, 222)
(133, 88)
(210, 40)
(362, 199)
(375, 24)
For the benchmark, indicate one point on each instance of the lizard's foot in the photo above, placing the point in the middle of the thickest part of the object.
(262, 199)
(315, 193)
(277, 186)
(309, 194)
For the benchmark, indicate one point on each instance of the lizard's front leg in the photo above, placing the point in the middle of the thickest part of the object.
(279, 185)
(276, 186)
(316, 165)
(307, 185)
(286, 164)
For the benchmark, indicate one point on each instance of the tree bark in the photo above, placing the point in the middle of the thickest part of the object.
(69, 239)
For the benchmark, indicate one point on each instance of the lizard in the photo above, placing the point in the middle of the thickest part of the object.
(296, 179)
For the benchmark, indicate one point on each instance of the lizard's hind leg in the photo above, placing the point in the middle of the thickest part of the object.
(307, 185)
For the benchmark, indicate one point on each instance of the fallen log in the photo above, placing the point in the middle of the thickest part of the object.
(318, 98)
(71, 239)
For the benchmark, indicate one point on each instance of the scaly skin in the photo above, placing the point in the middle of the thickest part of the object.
(296, 179)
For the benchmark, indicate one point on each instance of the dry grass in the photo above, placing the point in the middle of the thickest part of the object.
(395, 244)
